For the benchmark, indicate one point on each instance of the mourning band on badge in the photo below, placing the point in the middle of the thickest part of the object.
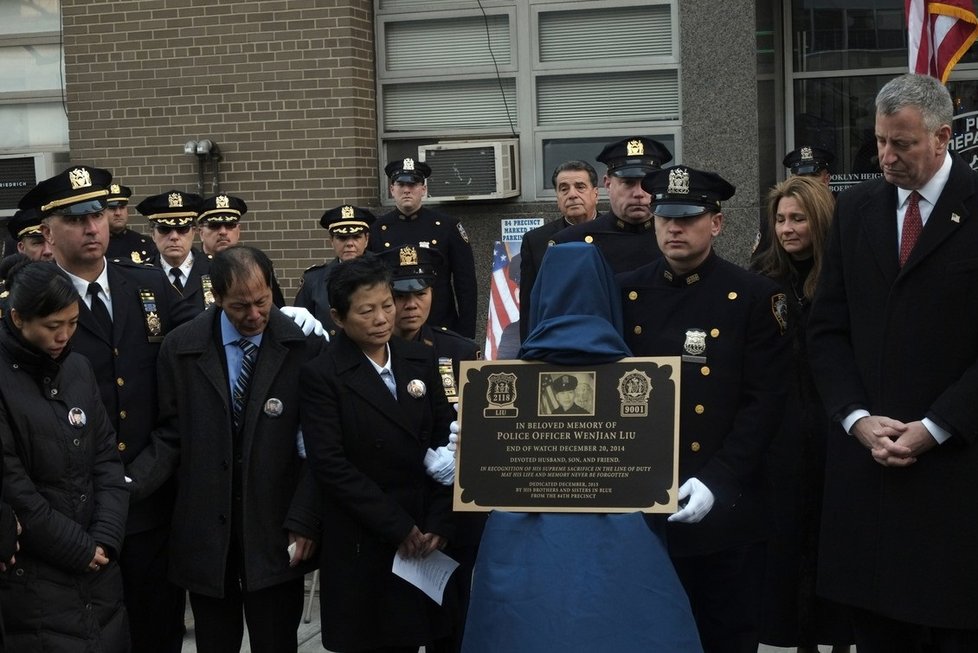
(447, 374)
(694, 346)
(77, 417)
(416, 388)
(274, 407)
(154, 327)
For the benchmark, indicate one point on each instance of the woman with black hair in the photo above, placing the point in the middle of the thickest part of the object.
(61, 475)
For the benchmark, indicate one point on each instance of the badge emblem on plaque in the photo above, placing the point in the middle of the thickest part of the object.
(501, 395)
(634, 390)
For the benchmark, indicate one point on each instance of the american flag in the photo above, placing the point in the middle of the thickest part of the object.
(504, 300)
(940, 33)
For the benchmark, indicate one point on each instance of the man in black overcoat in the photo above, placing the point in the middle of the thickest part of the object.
(895, 357)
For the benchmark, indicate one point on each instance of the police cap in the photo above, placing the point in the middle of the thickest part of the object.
(412, 267)
(118, 195)
(79, 190)
(221, 209)
(173, 208)
(25, 222)
(634, 157)
(564, 383)
(807, 160)
(408, 170)
(346, 220)
(682, 192)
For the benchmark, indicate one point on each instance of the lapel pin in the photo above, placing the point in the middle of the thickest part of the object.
(416, 388)
(955, 218)
(273, 407)
(77, 418)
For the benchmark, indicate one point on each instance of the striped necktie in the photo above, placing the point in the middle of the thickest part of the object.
(240, 391)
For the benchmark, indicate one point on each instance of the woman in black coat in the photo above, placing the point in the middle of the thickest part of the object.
(61, 475)
(366, 449)
(799, 214)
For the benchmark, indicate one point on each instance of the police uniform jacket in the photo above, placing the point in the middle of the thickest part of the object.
(732, 391)
(313, 295)
(249, 486)
(532, 249)
(131, 246)
(448, 344)
(901, 342)
(626, 246)
(67, 486)
(193, 294)
(125, 367)
(367, 450)
(454, 300)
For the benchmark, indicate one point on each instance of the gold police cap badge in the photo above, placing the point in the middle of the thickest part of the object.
(174, 201)
(346, 212)
(635, 148)
(222, 202)
(79, 178)
(409, 255)
(114, 189)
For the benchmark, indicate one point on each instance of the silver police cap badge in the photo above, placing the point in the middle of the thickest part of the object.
(416, 388)
(678, 182)
(806, 154)
(274, 407)
(408, 164)
(174, 201)
(77, 417)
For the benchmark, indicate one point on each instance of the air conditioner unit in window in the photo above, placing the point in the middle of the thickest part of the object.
(472, 170)
(20, 172)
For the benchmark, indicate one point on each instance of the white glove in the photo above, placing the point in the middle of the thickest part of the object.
(699, 504)
(453, 431)
(440, 465)
(305, 320)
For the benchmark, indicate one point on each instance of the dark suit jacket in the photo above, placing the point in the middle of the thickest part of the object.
(534, 246)
(260, 463)
(125, 364)
(367, 450)
(901, 343)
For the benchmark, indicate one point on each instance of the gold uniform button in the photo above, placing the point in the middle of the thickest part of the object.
(705, 370)
(434, 241)
(120, 382)
(123, 414)
(715, 333)
(633, 295)
(387, 245)
(699, 409)
(637, 330)
(588, 239)
(121, 446)
(731, 295)
(694, 447)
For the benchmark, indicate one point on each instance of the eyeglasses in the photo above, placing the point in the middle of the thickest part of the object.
(164, 230)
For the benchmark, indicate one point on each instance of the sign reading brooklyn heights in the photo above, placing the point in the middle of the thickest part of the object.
(537, 437)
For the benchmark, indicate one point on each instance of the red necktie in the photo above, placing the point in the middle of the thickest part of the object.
(912, 226)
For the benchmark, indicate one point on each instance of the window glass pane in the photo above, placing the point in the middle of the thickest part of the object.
(584, 35)
(558, 150)
(429, 106)
(30, 68)
(835, 35)
(964, 140)
(30, 126)
(27, 17)
(454, 42)
(636, 96)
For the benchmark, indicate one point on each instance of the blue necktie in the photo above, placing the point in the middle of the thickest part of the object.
(388, 378)
(240, 391)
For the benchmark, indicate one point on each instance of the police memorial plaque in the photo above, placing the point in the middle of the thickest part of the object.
(536, 437)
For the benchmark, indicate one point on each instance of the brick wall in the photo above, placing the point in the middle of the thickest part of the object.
(286, 88)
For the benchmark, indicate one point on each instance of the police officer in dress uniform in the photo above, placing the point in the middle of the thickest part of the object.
(624, 235)
(173, 215)
(804, 161)
(220, 227)
(349, 231)
(728, 325)
(126, 310)
(413, 274)
(576, 186)
(455, 290)
(123, 241)
(25, 229)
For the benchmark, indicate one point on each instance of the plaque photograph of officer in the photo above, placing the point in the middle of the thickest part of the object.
(567, 394)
